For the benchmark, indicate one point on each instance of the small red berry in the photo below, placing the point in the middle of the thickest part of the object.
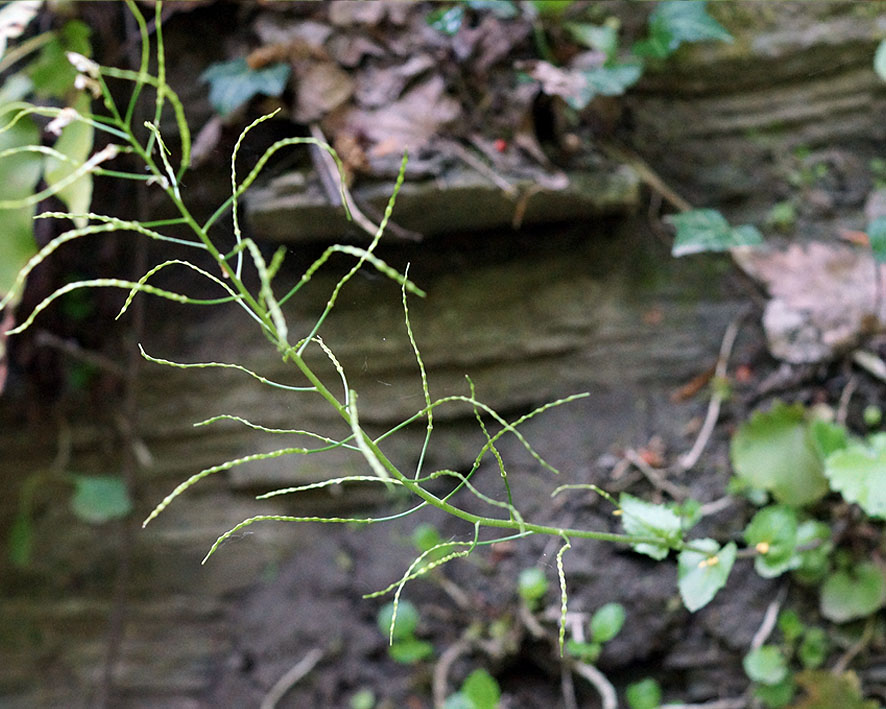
(501, 144)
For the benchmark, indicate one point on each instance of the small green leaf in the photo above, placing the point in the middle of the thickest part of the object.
(853, 593)
(813, 651)
(641, 518)
(766, 665)
(873, 414)
(607, 622)
(362, 699)
(827, 437)
(811, 565)
(481, 689)
(611, 79)
(703, 230)
(532, 584)
(233, 83)
(603, 38)
(790, 625)
(447, 20)
(773, 451)
(858, 472)
(645, 694)
(685, 22)
(880, 60)
(425, 536)
(586, 652)
(410, 651)
(775, 696)
(876, 232)
(701, 575)
(407, 620)
(551, 8)
(100, 498)
(773, 533)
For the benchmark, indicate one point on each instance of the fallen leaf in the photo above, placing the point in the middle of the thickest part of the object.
(379, 86)
(323, 87)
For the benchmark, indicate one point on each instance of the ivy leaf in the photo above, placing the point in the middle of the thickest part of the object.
(611, 80)
(852, 593)
(19, 174)
(76, 142)
(766, 665)
(233, 83)
(685, 22)
(645, 519)
(701, 575)
(880, 60)
(702, 230)
(773, 451)
(603, 38)
(773, 533)
(877, 234)
(100, 498)
(858, 472)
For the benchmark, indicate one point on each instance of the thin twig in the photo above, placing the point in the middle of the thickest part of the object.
(656, 477)
(770, 618)
(603, 686)
(567, 688)
(439, 683)
(298, 672)
(647, 175)
(687, 460)
(845, 397)
(841, 664)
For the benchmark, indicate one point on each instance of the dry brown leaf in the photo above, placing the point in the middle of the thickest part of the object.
(823, 298)
(322, 88)
(379, 86)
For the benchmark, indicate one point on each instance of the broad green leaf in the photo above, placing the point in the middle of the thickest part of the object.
(773, 533)
(75, 141)
(100, 498)
(852, 593)
(703, 230)
(825, 690)
(686, 22)
(880, 60)
(233, 83)
(641, 518)
(772, 451)
(407, 620)
(607, 622)
(827, 437)
(52, 73)
(876, 232)
(19, 174)
(701, 575)
(481, 689)
(766, 665)
(603, 38)
(645, 694)
(611, 79)
(858, 472)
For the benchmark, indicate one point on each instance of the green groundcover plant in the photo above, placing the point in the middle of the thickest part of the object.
(785, 453)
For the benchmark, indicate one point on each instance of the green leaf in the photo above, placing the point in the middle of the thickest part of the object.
(790, 625)
(425, 536)
(19, 174)
(880, 60)
(481, 689)
(685, 22)
(607, 622)
(551, 8)
(410, 651)
(407, 620)
(233, 83)
(641, 518)
(827, 437)
(766, 665)
(100, 498)
(858, 472)
(532, 584)
(586, 652)
(701, 575)
(51, 72)
(813, 651)
(447, 20)
(776, 695)
(773, 533)
(703, 230)
(603, 38)
(75, 141)
(876, 232)
(645, 694)
(811, 565)
(611, 79)
(773, 451)
(852, 593)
